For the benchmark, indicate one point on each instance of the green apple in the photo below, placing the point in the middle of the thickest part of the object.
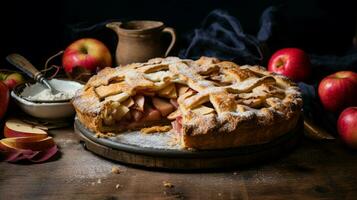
(3, 75)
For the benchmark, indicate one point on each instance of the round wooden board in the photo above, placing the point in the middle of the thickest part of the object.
(188, 159)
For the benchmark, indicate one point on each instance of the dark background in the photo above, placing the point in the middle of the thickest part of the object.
(39, 29)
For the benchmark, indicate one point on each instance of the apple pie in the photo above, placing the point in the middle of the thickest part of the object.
(211, 104)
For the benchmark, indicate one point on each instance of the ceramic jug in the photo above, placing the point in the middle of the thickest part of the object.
(138, 41)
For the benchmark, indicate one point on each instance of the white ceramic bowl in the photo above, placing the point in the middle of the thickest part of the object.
(47, 110)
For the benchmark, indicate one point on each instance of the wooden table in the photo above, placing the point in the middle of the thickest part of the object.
(315, 170)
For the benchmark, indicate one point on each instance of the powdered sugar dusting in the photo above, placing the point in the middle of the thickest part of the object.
(88, 103)
(164, 140)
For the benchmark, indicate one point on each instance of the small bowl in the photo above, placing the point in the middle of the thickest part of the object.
(45, 110)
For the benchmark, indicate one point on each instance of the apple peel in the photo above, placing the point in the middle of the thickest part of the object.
(25, 154)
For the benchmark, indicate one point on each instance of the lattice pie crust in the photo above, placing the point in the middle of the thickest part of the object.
(211, 104)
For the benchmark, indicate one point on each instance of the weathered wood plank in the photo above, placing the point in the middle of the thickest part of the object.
(315, 170)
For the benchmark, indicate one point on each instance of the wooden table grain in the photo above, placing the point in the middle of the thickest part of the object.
(314, 170)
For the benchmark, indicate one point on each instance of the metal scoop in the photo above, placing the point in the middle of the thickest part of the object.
(24, 65)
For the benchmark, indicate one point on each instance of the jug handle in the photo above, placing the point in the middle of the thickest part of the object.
(171, 31)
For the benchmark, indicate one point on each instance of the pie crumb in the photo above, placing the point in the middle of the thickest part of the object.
(116, 170)
(155, 129)
(104, 135)
(168, 184)
(117, 186)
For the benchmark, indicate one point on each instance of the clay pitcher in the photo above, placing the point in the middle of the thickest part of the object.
(138, 41)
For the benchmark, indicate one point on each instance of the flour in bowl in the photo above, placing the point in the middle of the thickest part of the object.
(37, 92)
(46, 95)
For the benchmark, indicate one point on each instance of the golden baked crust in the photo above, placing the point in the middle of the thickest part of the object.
(220, 104)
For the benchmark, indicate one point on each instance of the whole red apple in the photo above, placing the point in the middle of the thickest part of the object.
(10, 83)
(347, 126)
(4, 99)
(85, 55)
(291, 62)
(338, 91)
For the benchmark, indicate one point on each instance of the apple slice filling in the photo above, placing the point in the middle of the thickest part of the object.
(177, 125)
(146, 108)
(163, 106)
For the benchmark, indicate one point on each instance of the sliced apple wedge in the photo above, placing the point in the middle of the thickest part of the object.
(128, 103)
(119, 112)
(177, 125)
(127, 116)
(18, 128)
(182, 89)
(174, 115)
(163, 106)
(139, 103)
(118, 97)
(172, 94)
(151, 114)
(34, 143)
(24, 141)
(174, 103)
(137, 115)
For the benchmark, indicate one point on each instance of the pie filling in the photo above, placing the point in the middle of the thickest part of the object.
(159, 105)
(145, 109)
